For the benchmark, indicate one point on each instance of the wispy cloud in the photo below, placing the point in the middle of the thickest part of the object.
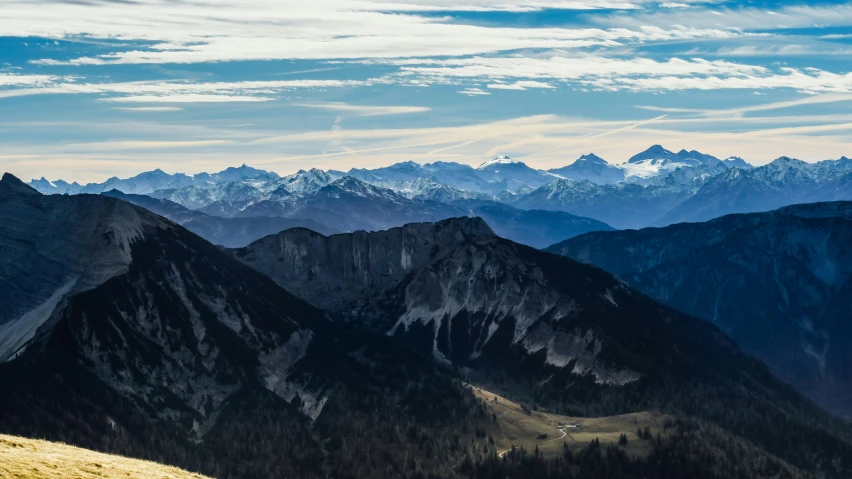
(739, 111)
(520, 85)
(365, 110)
(175, 91)
(180, 32)
(473, 92)
(149, 108)
(142, 145)
(618, 74)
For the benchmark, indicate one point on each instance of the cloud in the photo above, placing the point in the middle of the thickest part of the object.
(208, 31)
(742, 18)
(176, 91)
(601, 73)
(520, 85)
(473, 92)
(186, 98)
(365, 110)
(142, 145)
(18, 80)
(739, 111)
(150, 108)
(544, 141)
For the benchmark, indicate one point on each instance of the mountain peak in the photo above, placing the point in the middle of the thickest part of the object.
(10, 184)
(592, 158)
(655, 151)
(786, 160)
(471, 225)
(736, 162)
(498, 160)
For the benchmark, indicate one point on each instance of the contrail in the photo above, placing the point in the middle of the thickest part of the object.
(469, 142)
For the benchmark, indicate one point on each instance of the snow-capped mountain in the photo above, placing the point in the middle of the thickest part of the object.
(428, 189)
(782, 182)
(489, 178)
(151, 181)
(657, 161)
(351, 205)
(304, 182)
(236, 194)
(58, 187)
(657, 189)
(593, 168)
(737, 162)
(505, 173)
(778, 282)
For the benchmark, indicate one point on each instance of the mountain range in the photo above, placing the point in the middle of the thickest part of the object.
(305, 355)
(779, 283)
(656, 187)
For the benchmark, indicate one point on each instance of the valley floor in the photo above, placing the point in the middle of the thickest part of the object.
(516, 427)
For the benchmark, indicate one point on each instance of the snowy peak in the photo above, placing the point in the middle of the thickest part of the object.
(11, 185)
(657, 152)
(593, 168)
(498, 160)
(654, 152)
(151, 181)
(243, 172)
(305, 181)
(737, 162)
(786, 169)
(592, 158)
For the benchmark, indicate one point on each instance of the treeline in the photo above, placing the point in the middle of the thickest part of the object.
(781, 422)
(694, 451)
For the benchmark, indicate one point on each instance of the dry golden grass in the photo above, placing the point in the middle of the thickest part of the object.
(33, 459)
(514, 427)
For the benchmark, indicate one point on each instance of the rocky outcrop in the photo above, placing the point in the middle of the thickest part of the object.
(332, 271)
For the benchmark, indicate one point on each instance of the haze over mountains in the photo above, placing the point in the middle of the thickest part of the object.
(309, 353)
(653, 188)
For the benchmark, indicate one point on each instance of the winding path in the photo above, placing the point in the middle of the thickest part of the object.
(560, 429)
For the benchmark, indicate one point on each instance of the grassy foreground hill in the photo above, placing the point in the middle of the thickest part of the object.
(22, 458)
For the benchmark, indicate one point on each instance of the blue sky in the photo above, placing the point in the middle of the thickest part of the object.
(92, 89)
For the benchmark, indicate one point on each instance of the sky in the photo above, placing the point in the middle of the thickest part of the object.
(91, 89)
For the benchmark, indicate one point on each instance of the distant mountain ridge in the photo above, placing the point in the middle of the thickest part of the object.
(228, 232)
(653, 188)
(151, 181)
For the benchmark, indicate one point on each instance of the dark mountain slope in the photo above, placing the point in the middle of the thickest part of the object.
(778, 282)
(228, 232)
(167, 348)
(559, 333)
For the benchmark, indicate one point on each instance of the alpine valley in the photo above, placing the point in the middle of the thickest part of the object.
(404, 322)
